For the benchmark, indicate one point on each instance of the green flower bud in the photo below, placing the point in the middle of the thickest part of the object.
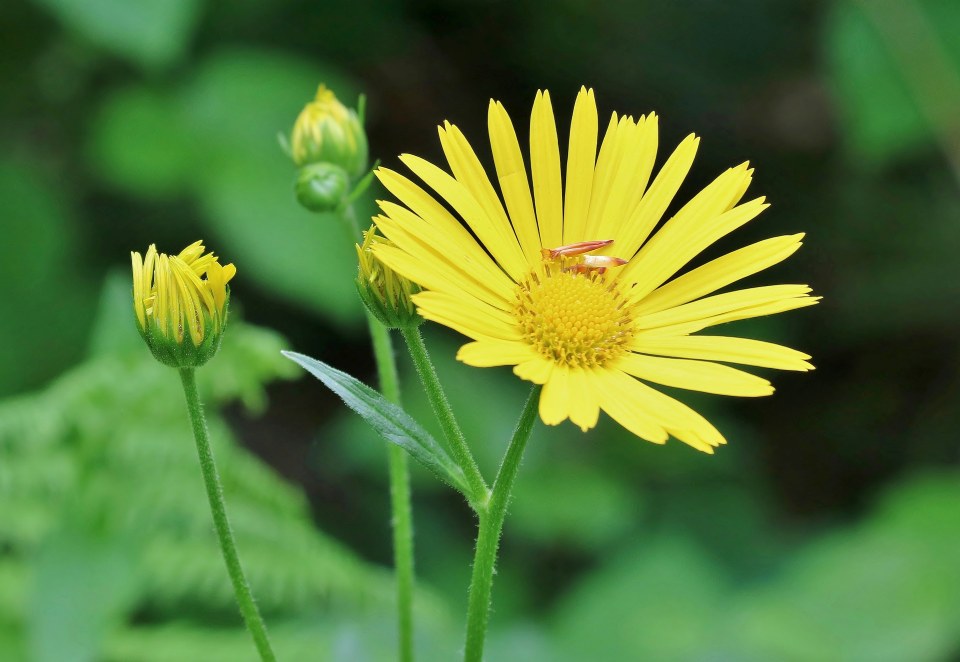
(322, 187)
(328, 132)
(181, 303)
(385, 293)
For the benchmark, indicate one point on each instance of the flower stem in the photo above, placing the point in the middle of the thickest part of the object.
(456, 443)
(248, 608)
(488, 538)
(399, 471)
(399, 494)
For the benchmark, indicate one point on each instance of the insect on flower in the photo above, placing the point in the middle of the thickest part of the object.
(587, 263)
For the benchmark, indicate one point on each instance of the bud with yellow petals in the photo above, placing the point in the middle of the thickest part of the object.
(385, 293)
(181, 302)
(328, 132)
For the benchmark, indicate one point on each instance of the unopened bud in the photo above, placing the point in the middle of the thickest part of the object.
(322, 187)
(328, 132)
(386, 294)
(181, 302)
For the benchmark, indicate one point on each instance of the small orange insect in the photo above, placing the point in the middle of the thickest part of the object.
(588, 263)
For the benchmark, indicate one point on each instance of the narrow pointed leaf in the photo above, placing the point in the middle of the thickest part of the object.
(389, 420)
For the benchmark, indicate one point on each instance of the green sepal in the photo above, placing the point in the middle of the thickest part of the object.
(393, 315)
(185, 354)
(322, 187)
(284, 143)
(362, 185)
(389, 420)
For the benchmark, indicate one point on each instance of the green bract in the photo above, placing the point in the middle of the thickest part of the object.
(321, 187)
(385, 293)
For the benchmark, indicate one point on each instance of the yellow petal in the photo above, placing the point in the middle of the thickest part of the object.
(584, 402)
(726, 349)
(545, 167)
(447, 256)
(490, 353)
(466, 167)
(138, 295)
(555, 397)
(217, 278)
(677, 418)
(536, 370)
(149, 261)
(581, 158)
(163, 307)
(694, 375)
(629, 184)
(612, 149)
(730, 306)
(197, 288)
(654, 203)
(470, 316)
(696, 226)
(192, 252)
(512, 175)
(424, 206)
(456, 248)
(617, 398)
(189, 298)
(466, 205)
(719, 273)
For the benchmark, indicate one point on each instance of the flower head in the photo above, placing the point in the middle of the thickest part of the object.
(326, 131)
(574, 285)
(385, 293)
(180, 302)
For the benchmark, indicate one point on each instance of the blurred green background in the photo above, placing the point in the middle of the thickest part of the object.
(829, 528)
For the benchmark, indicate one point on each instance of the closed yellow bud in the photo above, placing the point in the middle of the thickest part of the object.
(328, 132)
(180, 302)
(386, 294)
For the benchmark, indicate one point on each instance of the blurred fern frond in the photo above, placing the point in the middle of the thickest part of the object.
(105, 455)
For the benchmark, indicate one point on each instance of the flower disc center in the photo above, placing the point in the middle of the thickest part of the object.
(575, 319)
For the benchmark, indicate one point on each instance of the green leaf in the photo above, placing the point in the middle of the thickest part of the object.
(659, 601)
(389, 420)
(83, 586)
(152, 33)
(877, 89)
(39, 337)
(139, 142)
(577, 505)
(888, 589)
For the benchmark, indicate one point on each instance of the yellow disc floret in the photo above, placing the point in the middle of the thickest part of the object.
(575, 319)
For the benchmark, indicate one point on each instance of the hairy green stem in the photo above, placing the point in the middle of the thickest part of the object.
(399, 493)
(488, 537)
(456, 443)
(399, 471)
(211, 479)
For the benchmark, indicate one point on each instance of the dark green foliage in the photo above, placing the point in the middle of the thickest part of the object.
(156, 122)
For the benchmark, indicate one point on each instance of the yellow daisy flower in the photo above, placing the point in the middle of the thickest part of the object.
(180, 302)
(572, 286)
